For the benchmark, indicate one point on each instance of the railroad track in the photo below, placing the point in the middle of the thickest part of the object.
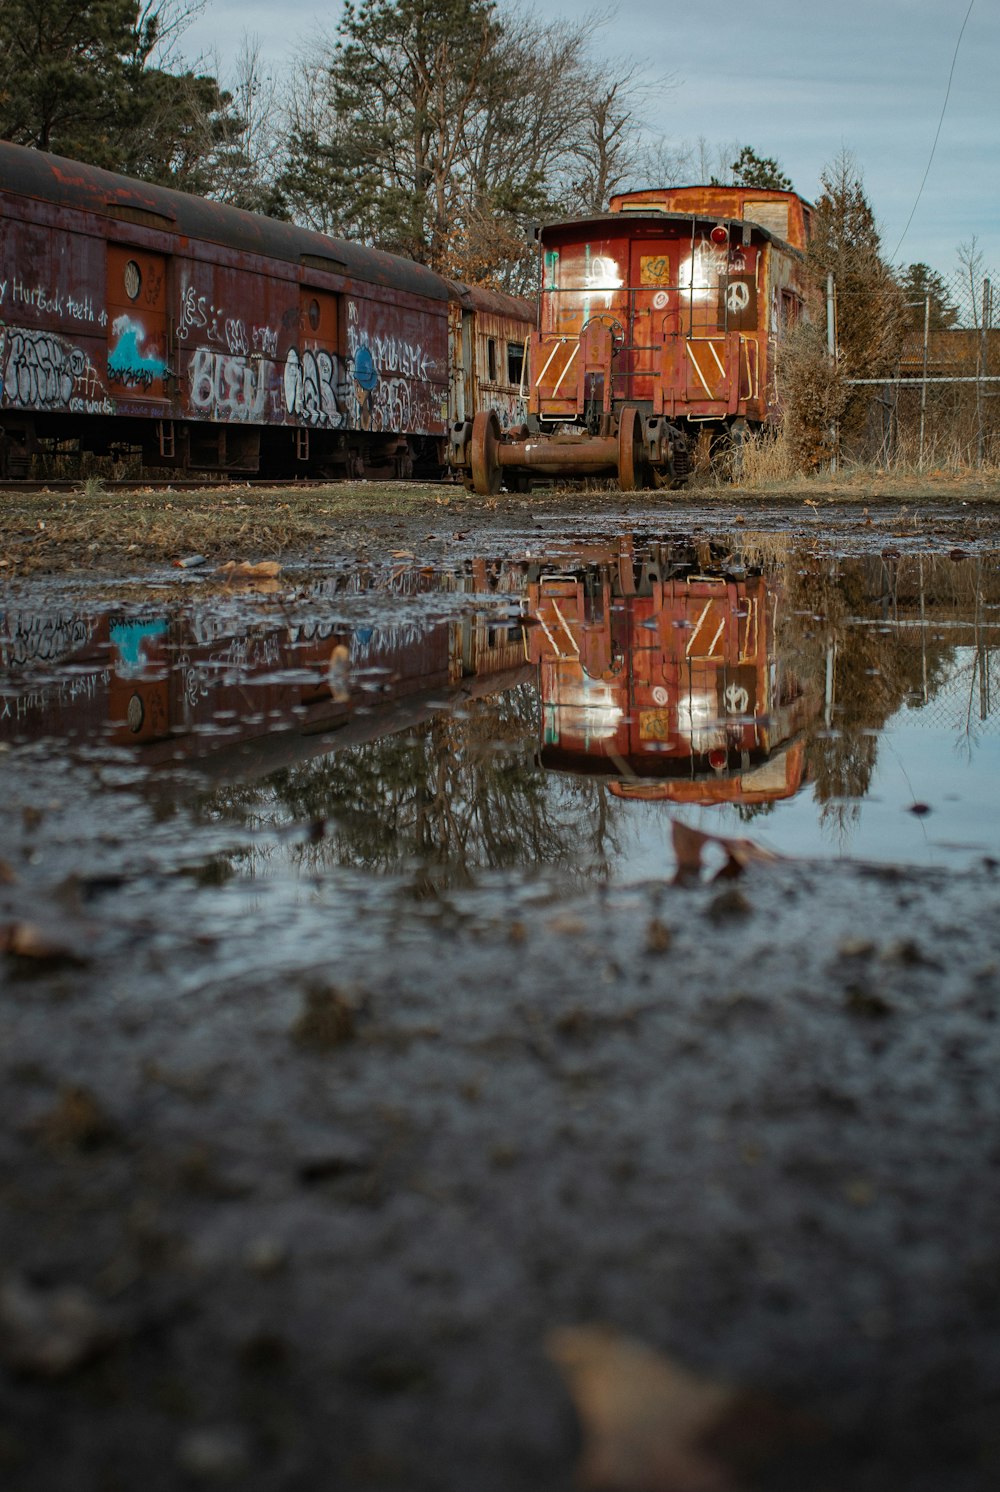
(191, 484)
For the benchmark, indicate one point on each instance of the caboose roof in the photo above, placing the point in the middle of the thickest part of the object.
(72, 184)
(611, 223)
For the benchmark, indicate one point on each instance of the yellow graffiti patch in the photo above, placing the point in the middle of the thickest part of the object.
(654, 725)
(654, 269)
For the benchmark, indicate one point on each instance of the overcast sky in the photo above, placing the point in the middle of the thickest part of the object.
(796, 79)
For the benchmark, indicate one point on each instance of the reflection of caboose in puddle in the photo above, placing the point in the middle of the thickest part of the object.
(662, 675)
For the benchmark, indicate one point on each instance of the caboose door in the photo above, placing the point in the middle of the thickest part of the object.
(137, 323)
(653, 278)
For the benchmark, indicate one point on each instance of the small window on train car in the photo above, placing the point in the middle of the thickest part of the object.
(314, 314)
(491, 359)
(132, 277)
(515, 362)
(791, 308)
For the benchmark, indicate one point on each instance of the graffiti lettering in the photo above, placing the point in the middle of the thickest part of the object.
(130, 378)
(393, 356)
(92, 406)
(38, 297)
(29, 638)
(193, 313)
(265, 340)
(3, 291)
(236, 337)
(40, 370)
(311, 392)
(230, 388)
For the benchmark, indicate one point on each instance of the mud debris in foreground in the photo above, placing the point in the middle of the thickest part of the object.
(391, 1099)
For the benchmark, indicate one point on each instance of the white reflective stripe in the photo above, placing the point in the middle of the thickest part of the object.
(565, 626)
(541, 622)
(715, 639)
(560, 343)
(718, 364)
(694, 634)
(562, 375)
(701, 376)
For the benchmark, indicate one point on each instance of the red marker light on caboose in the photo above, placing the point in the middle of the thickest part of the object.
(720, 234)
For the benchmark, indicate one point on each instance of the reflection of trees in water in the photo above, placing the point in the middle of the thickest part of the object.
(876, 669)
(459, 794)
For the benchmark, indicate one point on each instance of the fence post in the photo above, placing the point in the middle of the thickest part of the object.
(987, 317)
(923, 386)
(831, 347)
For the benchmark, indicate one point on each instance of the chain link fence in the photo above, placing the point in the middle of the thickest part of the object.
(941, 407)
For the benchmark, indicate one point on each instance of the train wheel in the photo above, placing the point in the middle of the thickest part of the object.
(483, 452)
(631, 452)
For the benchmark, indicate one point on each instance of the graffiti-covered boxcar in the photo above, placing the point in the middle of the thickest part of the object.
(133, 316)
(656, 319)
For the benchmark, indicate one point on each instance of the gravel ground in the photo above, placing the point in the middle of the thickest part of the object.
(312, 1184)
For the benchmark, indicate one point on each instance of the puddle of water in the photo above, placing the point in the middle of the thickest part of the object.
(544, 712)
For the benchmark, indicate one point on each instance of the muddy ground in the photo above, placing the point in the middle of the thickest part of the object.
(322, 1185)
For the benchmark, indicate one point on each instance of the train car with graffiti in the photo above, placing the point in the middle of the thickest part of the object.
(661, 675)
(656, 320)
(133, 316)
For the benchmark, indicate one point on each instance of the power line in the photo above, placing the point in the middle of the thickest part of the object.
(944, 106)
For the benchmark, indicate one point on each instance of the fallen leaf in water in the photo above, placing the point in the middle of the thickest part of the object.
(689, 844)
(49, 1333)
(329, 1017)
(652, 1425)
(76, 1122)
(566, 924)
(243, 570)
(7, 876)
(642, 1416)
(27, 940)
(338, 673)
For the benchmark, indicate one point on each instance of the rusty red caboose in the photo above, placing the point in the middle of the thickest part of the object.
(657, 319)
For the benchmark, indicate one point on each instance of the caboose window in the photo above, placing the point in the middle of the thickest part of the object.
(515, 362)
(491, 359)
(133, 280)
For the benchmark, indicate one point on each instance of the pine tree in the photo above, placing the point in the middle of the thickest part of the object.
(846, 243)
(77, 78)
(752, 170)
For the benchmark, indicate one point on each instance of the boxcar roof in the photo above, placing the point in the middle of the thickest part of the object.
(71, 184)
(494, 302)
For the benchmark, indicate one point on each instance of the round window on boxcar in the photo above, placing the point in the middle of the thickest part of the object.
(133, 280)
(314, 315)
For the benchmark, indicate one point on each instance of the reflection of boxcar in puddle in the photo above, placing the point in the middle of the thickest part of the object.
(187, 685)
(672, 688)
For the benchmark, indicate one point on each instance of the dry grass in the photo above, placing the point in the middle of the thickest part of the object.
(93, 530)
(92, 527)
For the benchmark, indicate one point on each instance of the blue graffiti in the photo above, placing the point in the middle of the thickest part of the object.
(129, 640)
(365, 373)
(127, 363)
